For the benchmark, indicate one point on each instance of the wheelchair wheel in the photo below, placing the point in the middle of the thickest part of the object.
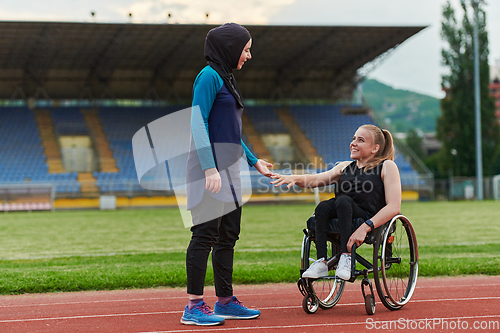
(310, 304)
(370, 304)
(395, 261)
(327, 290)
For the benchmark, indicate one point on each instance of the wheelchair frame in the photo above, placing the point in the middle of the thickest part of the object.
(395, 268)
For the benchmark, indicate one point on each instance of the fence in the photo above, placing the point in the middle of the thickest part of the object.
(464, 188)
(496, 187)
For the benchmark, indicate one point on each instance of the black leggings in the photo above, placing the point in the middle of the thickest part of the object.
(345, 210)
(219, 237)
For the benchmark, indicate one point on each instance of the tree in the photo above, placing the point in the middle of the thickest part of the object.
(456, 126)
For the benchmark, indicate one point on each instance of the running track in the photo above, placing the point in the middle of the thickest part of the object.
(463, 301)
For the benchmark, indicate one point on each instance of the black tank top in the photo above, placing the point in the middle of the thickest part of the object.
(365, 187)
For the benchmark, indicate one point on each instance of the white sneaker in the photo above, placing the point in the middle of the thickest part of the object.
(344, 267)
(316, 270)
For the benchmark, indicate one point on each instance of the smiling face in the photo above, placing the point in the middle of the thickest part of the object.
(362, 146)
(245, 54)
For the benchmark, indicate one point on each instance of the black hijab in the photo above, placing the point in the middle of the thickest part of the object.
(223, 47)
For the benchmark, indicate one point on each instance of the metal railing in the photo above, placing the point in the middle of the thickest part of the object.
(260, 186)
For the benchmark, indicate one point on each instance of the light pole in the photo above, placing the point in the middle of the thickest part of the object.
(477, 95)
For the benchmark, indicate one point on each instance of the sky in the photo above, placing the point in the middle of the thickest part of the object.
(415, 65)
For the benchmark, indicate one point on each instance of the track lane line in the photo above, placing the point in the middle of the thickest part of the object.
(119, 315)
(180, 311)
(208, 296)
(313, 325)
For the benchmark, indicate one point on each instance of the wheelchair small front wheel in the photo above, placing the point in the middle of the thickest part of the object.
(370, 304)
(310, 304)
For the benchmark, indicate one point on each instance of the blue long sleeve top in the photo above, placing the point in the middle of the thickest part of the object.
(209, 87)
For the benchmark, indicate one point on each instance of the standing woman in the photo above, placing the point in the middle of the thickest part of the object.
(213, 184)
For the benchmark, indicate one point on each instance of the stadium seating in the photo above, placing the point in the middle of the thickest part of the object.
(69, 121)
(22, 152)
(265, 119)
(120, 124)
(331, 133)
(23, 156)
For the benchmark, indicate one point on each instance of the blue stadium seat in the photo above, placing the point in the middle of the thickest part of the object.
(69, 121)
(265, 119)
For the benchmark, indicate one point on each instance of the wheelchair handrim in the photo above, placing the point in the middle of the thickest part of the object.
(413, 253)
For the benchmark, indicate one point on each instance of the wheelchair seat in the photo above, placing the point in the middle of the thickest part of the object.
(333, 229)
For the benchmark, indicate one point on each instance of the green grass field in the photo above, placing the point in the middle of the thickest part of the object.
(92, 250)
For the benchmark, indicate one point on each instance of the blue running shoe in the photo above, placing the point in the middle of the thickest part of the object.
(235, 310)
(201, 315)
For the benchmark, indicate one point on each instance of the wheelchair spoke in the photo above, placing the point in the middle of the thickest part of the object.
(328, 291)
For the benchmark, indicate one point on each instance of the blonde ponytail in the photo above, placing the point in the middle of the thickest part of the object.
(383, 138)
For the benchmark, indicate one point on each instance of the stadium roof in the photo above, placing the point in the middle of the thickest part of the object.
(54, 60)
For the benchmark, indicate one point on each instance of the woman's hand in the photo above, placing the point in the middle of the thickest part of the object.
(263, 168)
(282, 179)
(213, 182)
(358, 236)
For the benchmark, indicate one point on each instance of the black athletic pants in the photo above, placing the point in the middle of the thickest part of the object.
(219, 237)
(345, 210)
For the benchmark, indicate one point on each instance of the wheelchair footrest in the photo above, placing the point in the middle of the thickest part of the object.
(302, 285)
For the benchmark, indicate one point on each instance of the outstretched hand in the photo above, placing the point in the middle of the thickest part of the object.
(263, 168)
(282, 179)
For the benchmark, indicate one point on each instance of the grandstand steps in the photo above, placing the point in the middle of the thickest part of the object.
(88, 182)
(49, 141)
(300, 140)
(107, 161)
(254, 139)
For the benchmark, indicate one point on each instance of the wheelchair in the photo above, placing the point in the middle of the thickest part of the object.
(394, 266)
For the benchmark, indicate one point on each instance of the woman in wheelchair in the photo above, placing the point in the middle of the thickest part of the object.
(368, 187)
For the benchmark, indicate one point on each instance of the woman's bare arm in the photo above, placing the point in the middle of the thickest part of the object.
(310, 181)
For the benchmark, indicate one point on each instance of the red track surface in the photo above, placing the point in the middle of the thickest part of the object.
(453, 303)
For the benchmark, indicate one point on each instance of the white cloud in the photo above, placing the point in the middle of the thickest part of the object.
(359, 12)
(61, 10)
(194, 11)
